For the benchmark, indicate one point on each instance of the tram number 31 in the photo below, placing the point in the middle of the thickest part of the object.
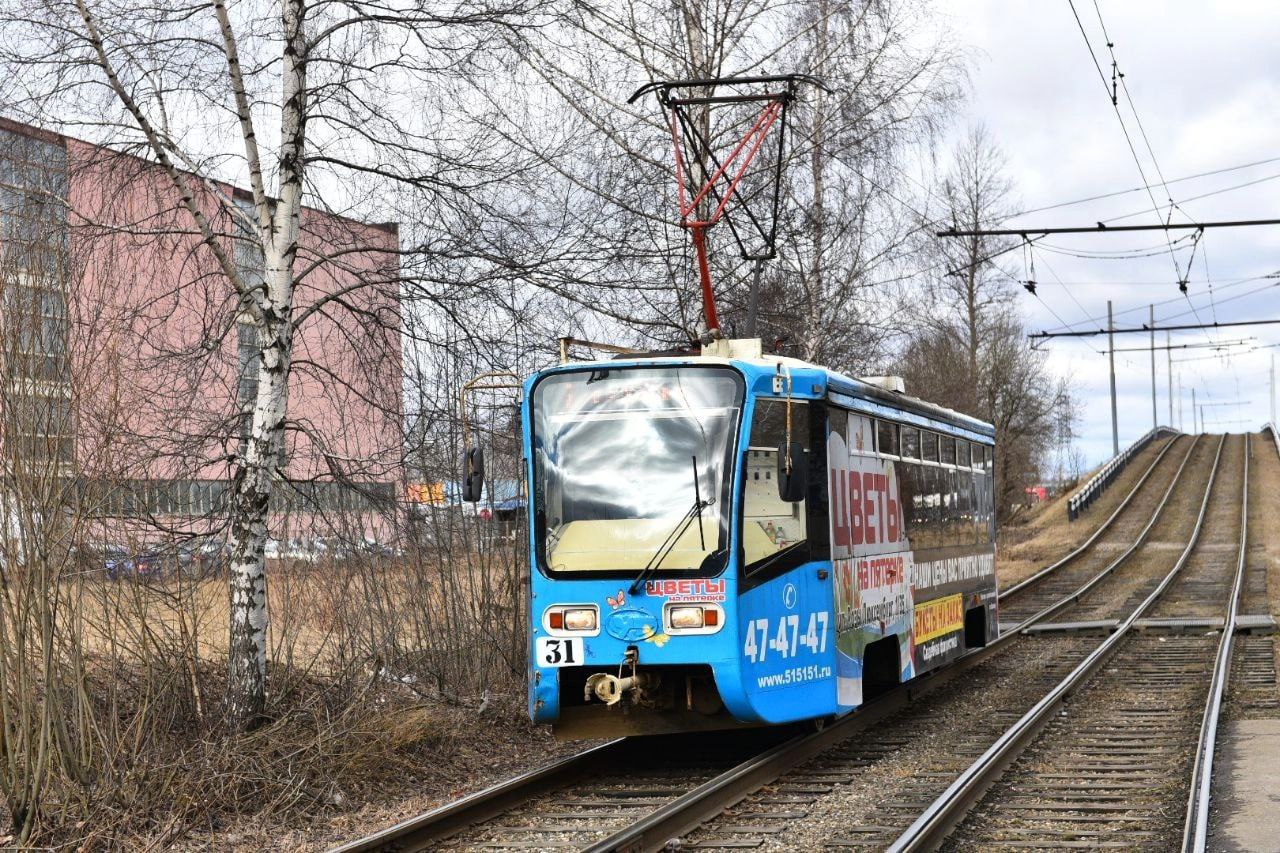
(555, 651)
(786, 639)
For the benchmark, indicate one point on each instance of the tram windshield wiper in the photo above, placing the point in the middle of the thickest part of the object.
(677, 532)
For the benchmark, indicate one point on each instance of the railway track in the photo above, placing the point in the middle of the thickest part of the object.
(1098, 760)
(906, 784)
(1063, 582)
(611, 798)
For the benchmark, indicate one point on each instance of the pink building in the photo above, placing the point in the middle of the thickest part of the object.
(130, 364)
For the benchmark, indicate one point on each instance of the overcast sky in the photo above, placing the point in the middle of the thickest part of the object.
(1204, 79)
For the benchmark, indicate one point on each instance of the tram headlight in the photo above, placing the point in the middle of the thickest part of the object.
(568, 619)
(699, 618)
(687, 617)
(579, 619)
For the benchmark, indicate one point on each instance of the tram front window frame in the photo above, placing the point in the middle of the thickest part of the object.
(631, 500)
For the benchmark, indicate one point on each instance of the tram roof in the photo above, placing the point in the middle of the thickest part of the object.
(855, 394)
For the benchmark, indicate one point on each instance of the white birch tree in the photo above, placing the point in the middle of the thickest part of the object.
(338, 103)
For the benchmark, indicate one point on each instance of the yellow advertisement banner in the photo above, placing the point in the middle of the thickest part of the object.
(938, 617)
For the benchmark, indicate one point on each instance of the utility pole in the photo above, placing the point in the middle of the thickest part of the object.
(1180, 408)
(1111, 348)
(1193, 413)
(1155, 419)
(1168, 354)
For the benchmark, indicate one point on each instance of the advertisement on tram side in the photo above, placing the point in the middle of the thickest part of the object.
(887, 511)
(939, 630)
(872, 565)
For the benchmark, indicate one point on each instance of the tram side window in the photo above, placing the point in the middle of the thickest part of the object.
(770, 525)
(951, 504)
(928, 446)
(922, 505)
(989, 509)
(837, 421)
(944, 507)
(967, 508)
(910, 443)
(983, 494)
(948, 446)
(962, 453)
(887, 438)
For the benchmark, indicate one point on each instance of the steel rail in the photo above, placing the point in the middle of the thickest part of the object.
(687, 812)
(656, 829)
(418, 832)
(691, 810)
(933, 825)
(1028, 581)
(1195, 830)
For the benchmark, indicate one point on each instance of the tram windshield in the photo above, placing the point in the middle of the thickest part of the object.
(615, 455)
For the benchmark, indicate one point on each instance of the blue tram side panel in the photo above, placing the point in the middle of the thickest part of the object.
(674, 589)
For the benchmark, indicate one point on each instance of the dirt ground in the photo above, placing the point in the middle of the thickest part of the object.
(1045, 534)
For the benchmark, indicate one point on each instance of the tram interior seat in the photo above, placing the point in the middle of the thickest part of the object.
(613, 544)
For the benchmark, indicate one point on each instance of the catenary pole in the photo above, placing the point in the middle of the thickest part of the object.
(1111, 347)
(1194, 429)
(1168, 369)
(1273, 389)
(1155, 419)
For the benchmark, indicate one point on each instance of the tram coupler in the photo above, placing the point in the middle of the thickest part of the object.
(610, 689)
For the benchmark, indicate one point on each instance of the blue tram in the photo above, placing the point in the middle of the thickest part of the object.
(736, 538)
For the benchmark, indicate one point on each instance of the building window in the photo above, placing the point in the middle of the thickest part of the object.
(37, 421)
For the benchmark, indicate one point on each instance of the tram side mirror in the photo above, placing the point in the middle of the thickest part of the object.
(472, 474)
(792, 486)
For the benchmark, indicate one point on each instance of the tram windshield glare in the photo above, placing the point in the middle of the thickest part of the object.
(615, 452)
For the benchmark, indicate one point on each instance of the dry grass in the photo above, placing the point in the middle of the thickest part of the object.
(388, 679)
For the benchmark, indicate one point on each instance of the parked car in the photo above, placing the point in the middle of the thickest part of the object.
(373, 548)
(116, 561)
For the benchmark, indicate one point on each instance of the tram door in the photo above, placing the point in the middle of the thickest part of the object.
(871, 561)
(787, 636)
